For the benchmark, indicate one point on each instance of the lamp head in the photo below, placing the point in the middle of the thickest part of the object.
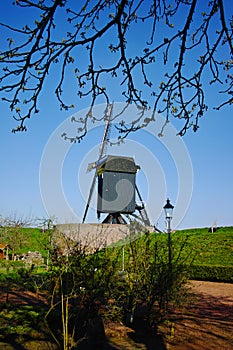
(168, 209)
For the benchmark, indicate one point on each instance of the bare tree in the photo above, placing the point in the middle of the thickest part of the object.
(189, 40)
(17, 221)
(11, 229)
(46, 223)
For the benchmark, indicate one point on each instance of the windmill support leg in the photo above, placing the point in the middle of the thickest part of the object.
(114, 218)
(142, 210)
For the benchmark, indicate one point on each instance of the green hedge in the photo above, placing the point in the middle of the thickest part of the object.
(211, 273)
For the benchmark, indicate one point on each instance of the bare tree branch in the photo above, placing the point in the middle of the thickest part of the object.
(166, 73)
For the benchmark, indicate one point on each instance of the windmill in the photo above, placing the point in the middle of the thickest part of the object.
(117, 189)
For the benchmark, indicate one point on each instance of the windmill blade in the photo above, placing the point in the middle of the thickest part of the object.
(91, 166)
(106, 133)
(89, 198)
(95, 165)
(102, 150)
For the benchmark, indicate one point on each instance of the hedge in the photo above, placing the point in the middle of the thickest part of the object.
(211, 273)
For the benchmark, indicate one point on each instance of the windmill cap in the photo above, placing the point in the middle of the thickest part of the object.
(120, 164)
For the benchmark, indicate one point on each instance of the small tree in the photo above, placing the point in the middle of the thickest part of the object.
(149, 279)
(47, 225)
(81, 284)
(12, 230)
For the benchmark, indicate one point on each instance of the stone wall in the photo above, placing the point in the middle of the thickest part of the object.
(96, 236)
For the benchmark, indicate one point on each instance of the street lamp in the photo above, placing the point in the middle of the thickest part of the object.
(168, 209)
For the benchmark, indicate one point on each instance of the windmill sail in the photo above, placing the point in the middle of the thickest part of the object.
(102, 150)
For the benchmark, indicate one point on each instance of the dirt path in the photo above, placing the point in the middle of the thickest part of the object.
(207, 323)
(223, 290)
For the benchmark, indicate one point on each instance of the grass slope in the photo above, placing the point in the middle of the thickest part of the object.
(210, 248)
(207, 248)
(25, 239)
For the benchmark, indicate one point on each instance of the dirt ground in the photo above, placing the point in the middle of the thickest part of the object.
(205, 324)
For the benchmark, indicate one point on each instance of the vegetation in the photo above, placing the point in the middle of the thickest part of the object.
(24, 239)
(208, 249)
(217, 273)
(64, 38)
(207, 255)
(128, 283)
(22, 325)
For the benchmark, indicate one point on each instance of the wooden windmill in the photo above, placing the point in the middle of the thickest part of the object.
(117, 189)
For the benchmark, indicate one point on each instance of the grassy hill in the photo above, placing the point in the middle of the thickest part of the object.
(205, 249)
(25, 239)
(209, 248)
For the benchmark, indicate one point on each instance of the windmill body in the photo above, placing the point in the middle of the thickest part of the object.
(116, 186)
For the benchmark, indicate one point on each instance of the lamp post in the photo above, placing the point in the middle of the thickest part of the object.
(168, 209)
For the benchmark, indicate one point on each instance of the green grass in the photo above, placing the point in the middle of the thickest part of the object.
(210, 248)
(203, 247)
(200, 246)
(205, 255)
(25, 239)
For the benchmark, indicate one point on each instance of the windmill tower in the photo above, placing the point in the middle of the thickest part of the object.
(117, 189)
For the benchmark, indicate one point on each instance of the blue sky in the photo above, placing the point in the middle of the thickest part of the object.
(210, 151)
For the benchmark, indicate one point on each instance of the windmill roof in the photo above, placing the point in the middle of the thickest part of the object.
(120, 164)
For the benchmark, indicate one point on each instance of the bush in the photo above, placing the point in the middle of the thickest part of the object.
(211, 273)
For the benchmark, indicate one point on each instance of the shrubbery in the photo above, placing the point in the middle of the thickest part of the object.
(115, 282)
(211, 273)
